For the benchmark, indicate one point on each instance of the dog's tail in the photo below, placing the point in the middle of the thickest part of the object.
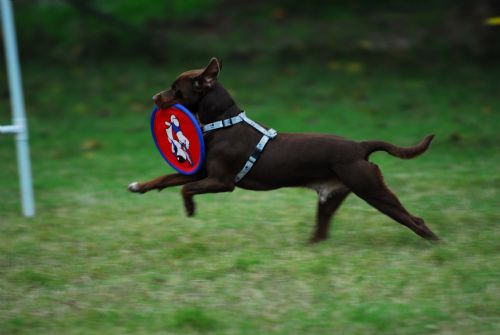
(401, 152)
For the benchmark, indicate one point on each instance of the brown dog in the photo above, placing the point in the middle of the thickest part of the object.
(331, 165)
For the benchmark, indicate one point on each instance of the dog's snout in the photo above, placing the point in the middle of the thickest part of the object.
(156, 96)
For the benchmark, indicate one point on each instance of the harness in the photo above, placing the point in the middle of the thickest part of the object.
(267, 134)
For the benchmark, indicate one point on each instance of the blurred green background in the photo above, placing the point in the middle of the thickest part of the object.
(99, 260)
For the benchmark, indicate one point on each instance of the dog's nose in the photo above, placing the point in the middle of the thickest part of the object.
(155, 97)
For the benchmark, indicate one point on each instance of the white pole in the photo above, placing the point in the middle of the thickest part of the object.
(17, 102)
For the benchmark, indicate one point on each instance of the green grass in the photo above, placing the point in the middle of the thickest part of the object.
(99, 260)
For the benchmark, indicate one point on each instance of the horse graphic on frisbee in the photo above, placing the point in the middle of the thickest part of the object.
(178, 137)
(180, 143)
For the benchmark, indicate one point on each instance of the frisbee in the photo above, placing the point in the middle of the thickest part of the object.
(178, 137)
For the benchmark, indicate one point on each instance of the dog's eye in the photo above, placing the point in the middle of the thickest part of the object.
(178, 94)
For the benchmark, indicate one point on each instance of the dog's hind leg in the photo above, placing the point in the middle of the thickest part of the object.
(326, 209)
(174, 179)
(366, 181)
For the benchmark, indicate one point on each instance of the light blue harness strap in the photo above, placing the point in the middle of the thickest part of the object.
(223, 123)
(271, 132)
(253, 158)
(267, 134)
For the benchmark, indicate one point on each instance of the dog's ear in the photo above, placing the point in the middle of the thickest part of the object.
(208, 77)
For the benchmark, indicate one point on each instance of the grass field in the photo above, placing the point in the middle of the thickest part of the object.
(99, 260)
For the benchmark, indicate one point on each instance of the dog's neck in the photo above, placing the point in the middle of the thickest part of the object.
(217, 104)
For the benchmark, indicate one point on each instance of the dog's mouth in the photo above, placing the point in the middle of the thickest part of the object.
(162, 103)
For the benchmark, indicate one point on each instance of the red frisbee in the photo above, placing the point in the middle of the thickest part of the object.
(178, 137)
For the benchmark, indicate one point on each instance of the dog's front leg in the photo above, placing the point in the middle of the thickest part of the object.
(174, 179)
(207, 185)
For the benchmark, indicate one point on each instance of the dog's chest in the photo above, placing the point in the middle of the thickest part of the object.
(327, 188)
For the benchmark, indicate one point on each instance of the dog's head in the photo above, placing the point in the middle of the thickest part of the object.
(190, 87)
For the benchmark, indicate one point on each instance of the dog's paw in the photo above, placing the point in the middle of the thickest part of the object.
(189, 206)
(190, 209)
(135, 187)
(317, 239)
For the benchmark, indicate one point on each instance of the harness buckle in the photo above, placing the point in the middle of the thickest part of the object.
(272, 133)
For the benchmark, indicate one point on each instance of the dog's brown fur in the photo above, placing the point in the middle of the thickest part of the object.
(331, 165)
